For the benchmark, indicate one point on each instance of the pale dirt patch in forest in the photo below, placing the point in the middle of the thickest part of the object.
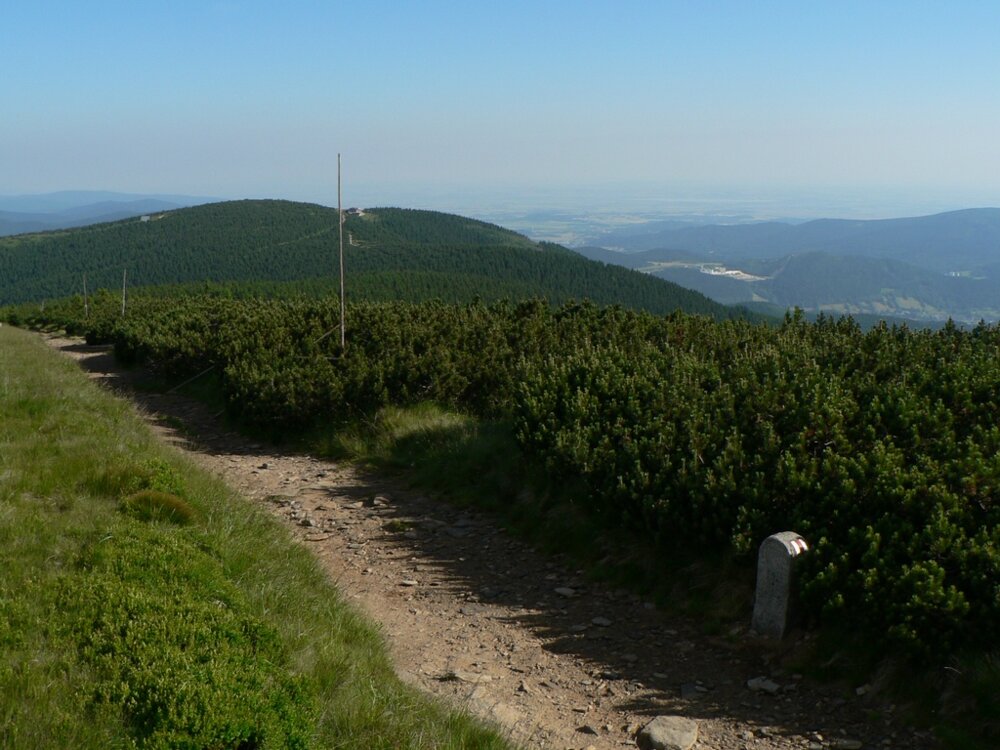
(489, 624)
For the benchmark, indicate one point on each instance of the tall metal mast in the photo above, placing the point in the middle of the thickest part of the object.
(340, 227)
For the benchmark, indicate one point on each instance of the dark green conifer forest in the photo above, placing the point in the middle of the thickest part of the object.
(280, 247)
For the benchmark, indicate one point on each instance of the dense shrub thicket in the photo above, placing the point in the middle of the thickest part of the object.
(882, 448)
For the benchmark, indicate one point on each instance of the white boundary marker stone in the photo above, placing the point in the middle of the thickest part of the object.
(775, 566)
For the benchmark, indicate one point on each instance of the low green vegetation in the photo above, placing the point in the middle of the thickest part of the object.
(153, 505)
(683, 433)
(143, 605)
(881, 447)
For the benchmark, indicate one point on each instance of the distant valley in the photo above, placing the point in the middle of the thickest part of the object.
(927, 268)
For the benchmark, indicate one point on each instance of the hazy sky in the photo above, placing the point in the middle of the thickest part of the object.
(237, 99)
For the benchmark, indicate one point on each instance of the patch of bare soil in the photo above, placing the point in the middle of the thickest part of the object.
(487, 623)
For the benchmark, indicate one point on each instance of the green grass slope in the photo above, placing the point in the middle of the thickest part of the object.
(142, 605)
(283, 247)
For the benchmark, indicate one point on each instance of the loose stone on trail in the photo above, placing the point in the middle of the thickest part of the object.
(763, 684)
(668, 733)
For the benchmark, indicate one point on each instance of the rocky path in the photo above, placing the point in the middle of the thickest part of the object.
(481, 619)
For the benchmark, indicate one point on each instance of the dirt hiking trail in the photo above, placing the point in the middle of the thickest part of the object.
(490, 625)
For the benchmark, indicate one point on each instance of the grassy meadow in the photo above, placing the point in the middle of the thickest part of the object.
(143, 605)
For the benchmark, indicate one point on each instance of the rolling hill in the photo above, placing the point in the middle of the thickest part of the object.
(281, 246)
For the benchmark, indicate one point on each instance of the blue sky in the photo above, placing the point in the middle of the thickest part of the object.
(240, 99)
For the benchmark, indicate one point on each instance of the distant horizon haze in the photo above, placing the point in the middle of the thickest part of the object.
(851, 109)
(640, 200)
(573, 216)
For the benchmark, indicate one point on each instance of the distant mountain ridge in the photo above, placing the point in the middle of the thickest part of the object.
(954, 241)
(922, 268)
(20, 214)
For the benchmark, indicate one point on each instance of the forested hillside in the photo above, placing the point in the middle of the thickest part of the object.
(284, 247)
